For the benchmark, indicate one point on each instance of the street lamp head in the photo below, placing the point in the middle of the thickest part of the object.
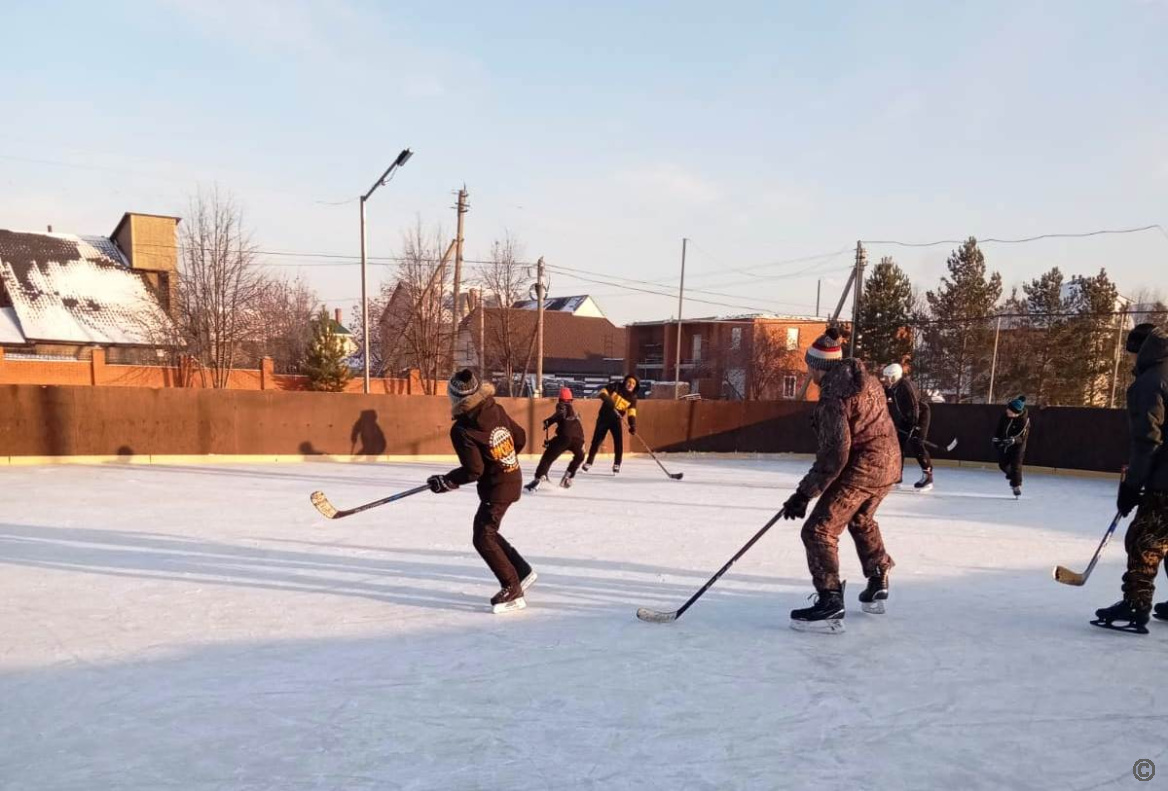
(403, 157)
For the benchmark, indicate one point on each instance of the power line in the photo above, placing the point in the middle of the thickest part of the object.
(1154, 226)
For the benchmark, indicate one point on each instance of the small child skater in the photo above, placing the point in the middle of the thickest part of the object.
(488, 443)
(569, 437)
(1010, 440)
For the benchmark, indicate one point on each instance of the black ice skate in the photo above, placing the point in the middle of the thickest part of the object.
(873, 597)
(1017, 492)
(1122, 617)
(587, 466)
(616, 469)
(531, 487)
(1160, 611)
(925, 484)
(508, 599)
(826, 615)
(566, 481)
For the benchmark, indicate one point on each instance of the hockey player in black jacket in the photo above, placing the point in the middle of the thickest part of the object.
(1010, 442)
(911, 415)
(620, 401)
(569, 436)
(488, 443)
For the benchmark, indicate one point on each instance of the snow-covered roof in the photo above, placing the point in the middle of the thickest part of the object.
(10, 327)
(74, 289)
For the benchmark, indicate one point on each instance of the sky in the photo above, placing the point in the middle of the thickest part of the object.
(772, 135)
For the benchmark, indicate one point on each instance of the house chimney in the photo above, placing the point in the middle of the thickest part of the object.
(50, 229)
(337, 315)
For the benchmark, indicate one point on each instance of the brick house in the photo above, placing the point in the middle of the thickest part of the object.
(750, 357)
(61, 294)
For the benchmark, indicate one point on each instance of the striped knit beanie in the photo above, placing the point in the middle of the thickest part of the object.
(827, 352)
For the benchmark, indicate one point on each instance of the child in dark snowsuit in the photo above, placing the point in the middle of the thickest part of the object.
(1010, 441)
(488, 443)
(569, 437)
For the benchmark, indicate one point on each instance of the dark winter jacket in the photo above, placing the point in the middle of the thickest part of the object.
(908, 409)
(1147, 465)
(488, 443)
(567, 422)
(857, 441)
(1013, 428)
(620, 398)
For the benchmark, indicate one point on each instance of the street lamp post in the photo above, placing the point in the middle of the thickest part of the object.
(402, 158)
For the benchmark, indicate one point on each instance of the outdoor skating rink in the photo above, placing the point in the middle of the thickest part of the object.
(203, 627)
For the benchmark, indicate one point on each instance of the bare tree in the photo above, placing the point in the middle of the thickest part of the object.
(759, 358)
(379, 342)
(219, 286)
(416, 320)
(286, 309)
(504, 282)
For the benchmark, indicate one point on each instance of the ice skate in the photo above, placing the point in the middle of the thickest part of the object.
(566, 481)
(587, 466)
(508, 599)
(873, 597)
(925, 484)
(528, 580)
(1122, 617)
(1017, 492)
(616, 469)
(534, 485)
(1160, 611)
(826, 615)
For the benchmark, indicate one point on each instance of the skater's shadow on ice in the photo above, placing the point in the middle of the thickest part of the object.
(404, 581)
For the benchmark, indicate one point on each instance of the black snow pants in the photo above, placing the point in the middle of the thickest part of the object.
(606, 425)
(503, 559)
(556, 448)
(1010, 462)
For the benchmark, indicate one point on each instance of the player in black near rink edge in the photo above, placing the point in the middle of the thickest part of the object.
(620, 401)
(569, 436)
(488, 443)
(911, 414)
(1145, 487)
(1010, 442)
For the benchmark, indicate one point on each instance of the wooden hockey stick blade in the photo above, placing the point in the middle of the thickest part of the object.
(323, 505)
(652, 616)
(952, 444)
(1067, 577)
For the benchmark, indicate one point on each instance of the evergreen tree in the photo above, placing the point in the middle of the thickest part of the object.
(326, 364)
(885, 323)
(961, 338)
(1049, 345)
(1096, 330)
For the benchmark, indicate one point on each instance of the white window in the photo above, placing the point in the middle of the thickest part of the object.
(792, 339)
(790, 383)
(735, 338)
(697, 348)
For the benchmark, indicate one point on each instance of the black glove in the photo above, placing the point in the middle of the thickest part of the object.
(796, 506)
(546, 423)
(996, 441)
(1128, 499)
(632, 427)
(547, 442)
(913, 432)
(440, 484)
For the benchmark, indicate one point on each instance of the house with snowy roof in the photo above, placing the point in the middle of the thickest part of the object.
(61, 294)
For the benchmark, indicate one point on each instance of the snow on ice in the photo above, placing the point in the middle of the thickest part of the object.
(202, 627)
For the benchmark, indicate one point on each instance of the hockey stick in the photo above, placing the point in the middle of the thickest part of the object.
(952, 443)
(677, 476)
(329, 510)
(652, 616)
(1067, 577)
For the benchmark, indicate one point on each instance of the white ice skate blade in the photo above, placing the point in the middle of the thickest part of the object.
(924, 489)
(528, 581)
(829, 626)
(510, 606)
(873, 607)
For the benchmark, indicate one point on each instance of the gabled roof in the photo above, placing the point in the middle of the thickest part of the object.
(559, 304)
(74, 289)
(10, 327)
(579, 340)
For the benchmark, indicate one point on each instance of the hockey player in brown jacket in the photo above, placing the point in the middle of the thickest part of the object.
(856, 465)
(488, 443)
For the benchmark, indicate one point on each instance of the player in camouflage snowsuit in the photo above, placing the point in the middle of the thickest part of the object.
(856, 465)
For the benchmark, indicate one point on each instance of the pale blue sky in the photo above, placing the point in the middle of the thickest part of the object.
(601, 133)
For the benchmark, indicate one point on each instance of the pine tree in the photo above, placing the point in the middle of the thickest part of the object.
(1046, 327)
(1095, 329)
(326, 363)
(887, 315)
(960, 340)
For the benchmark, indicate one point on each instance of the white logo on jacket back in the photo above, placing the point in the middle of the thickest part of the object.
(502, 446)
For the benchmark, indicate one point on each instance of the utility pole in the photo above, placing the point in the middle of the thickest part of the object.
(839, 308)
(680, 302)
(857, 299)
(456, 314)
(818, 293)
(1118, 353)
(402, 158)
(994, 362)
(540, 293)
(482, 303)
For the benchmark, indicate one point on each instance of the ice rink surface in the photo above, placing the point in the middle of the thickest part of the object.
(202, 627)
